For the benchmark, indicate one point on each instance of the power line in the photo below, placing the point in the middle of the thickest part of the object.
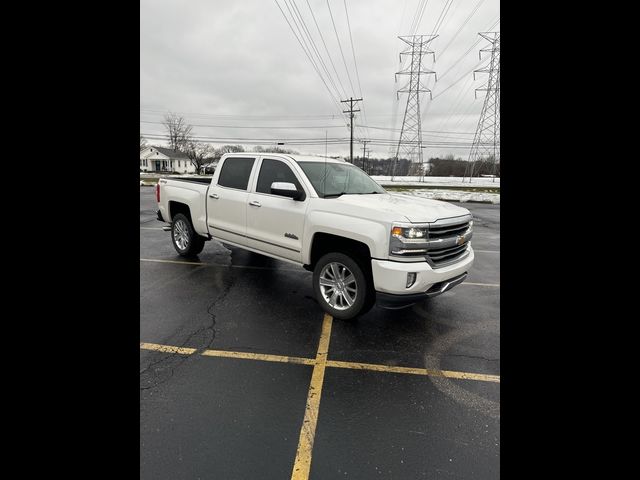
(147, 111)
(417, 18)
(306, 126)
(305, 141)
(307, 54)
(464, 75)
(444, 24)
(494, 23)
(313, 44)
(355, 63)
(443, 14)
(308, 41)
(254, 126)
(340, 46)
(455, 35)
(326, 49)
(464, 54)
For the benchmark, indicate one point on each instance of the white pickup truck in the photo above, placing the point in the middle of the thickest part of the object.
(362, 244)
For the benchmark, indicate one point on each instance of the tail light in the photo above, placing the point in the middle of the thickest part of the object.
(158, 192)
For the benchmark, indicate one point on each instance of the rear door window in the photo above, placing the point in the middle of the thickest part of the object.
(235, 173)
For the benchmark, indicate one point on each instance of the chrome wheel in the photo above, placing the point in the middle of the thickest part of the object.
(181, 234)
(338, 286)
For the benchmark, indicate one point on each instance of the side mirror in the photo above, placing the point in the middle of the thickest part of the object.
(286, 189)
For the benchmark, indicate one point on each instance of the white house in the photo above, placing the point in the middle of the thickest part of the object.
(160, 159)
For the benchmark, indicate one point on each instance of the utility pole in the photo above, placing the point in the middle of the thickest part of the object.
(364, 147)
(351, 112)
(486, 142)
(367, 159)
(410, 142)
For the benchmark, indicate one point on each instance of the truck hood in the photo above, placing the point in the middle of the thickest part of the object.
(403, 207)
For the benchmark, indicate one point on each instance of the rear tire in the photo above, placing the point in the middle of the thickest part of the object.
(184, 238)
(341, 286)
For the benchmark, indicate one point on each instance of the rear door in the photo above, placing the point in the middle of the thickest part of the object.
(275, 223)
(228, 198)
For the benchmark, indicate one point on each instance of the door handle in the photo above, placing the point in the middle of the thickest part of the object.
(255, 204)
(214, 195)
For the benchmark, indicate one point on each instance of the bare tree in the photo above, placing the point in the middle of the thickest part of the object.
(218, 152)
(179, 132)
(261, 149)
(143, 143)
(199, 154)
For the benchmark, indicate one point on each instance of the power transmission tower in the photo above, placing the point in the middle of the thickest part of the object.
(410, 142)
(351, 112)
(486, 142)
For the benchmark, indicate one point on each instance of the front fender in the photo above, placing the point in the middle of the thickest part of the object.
(372, 233)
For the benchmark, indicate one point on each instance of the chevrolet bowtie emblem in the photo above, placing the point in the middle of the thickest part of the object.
(460, 240)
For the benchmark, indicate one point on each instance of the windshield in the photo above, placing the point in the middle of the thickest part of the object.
(335, 179)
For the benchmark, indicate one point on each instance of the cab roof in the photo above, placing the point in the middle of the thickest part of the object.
(294, 157)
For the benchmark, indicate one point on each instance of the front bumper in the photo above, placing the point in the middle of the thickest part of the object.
(391, 301)
(390, 280)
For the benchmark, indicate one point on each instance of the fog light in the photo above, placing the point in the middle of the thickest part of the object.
(411, 279)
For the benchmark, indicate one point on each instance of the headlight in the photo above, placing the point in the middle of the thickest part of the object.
(408, 241)
(411, 233)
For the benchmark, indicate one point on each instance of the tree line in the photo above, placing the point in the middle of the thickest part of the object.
(181, 139)
(448, 166)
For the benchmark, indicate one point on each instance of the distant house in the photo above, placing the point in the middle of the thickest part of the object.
(160, 159)
(209, 168)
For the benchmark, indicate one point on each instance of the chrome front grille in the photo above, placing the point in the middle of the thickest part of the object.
(440, 243)
(445, 243)
(447, 230)
(440, 257)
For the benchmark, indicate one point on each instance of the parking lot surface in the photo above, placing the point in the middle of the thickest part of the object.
(243, 376)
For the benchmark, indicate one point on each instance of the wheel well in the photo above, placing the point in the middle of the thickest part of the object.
(324, 243)
(177, 207)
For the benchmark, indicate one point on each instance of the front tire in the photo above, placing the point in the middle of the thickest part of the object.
(184, 238)
(341, 287)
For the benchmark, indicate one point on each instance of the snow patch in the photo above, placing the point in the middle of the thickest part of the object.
(437, 181)
(453, 195)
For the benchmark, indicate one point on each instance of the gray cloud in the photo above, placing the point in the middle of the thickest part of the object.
(211, 59)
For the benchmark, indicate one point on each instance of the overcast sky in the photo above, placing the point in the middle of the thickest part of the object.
(237, 69)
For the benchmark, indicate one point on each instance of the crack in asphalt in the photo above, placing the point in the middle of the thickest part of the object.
(174, 360)
(478, 357)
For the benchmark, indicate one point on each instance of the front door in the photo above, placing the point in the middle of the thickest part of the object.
(275, 224)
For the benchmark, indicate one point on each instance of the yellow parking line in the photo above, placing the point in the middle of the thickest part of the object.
(481, 284)
(259, 356)
(326, 363)
(167, 348)
(414, 371)
(302, 464)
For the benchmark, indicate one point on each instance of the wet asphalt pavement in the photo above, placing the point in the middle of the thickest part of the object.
(232, 418)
